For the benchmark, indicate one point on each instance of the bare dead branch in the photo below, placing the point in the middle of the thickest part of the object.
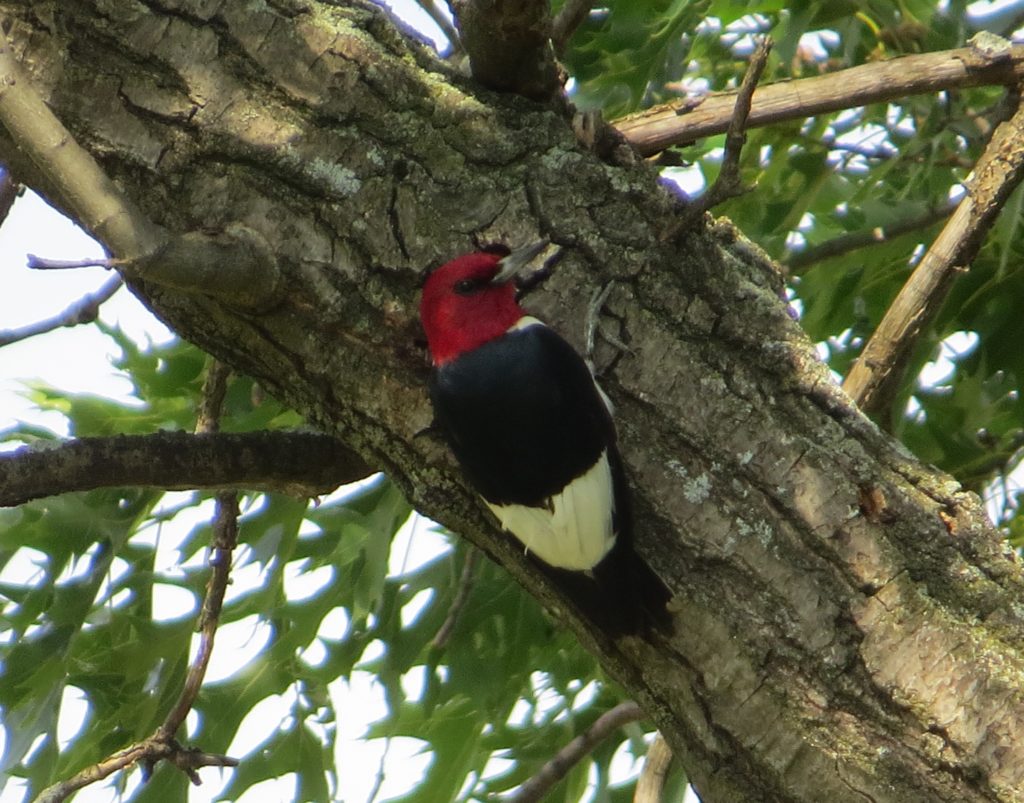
(567, 21)
(874, 377)
(509, 47)
(651, 783)
(729, 183)
(35, 262)
(85, 310)
(683, 121)
(799, 261)
(566, 758)
(235, 264)
(297, 463)
(466, 579)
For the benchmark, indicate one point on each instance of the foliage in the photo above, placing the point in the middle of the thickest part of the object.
(326, 588)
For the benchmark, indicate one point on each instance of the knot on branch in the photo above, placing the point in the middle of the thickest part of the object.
(160, 747)
(235, 265)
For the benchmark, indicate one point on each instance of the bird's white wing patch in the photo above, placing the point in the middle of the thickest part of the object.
(575, 531)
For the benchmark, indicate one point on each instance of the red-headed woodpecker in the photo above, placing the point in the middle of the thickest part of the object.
(533, 434)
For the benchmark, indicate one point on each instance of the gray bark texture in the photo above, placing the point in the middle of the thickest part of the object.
(849, 625)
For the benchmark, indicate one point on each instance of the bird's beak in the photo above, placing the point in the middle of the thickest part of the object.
(513, 264)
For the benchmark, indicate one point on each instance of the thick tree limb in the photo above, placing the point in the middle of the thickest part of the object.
(85, 310)
(687, 120)
(235, 264)
(873, 379)
(509, 45)
(570, 755)
(305, 464)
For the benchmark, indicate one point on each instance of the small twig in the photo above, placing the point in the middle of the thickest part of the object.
(466, 579)
(225, 536)
(215, 387)
(85, 310)
(186, 759)
(35, 262)
(799, 261)
(565, 23)
(876, 375)
(381, 776)
(729, 183)
(651, 783)
(441, 20)
(566, 758)
(593, 319)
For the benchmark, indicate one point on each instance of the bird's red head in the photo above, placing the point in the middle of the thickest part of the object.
(471, 300)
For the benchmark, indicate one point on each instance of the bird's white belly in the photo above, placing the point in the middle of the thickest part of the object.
(575, 531)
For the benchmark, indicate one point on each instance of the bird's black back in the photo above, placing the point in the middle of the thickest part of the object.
(522, 415)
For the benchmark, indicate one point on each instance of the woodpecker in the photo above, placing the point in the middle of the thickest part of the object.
(533, 434)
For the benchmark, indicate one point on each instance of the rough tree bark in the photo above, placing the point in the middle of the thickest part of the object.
(849, 625)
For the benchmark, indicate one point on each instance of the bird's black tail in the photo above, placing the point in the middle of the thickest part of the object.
(622, 594)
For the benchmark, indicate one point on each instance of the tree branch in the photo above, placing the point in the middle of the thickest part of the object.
(85, 310)
(433, 10)
(651, 783)
(299, 463)
(690, 119)
(799, 261)
(235, 264)
(509, 47)
(185, 758)
(729, 184)
(567, 21)
(875, 376)
(814, 637)
(162, 746)
(225, 537)
(570, 755)
(215, 388)
(466, 579)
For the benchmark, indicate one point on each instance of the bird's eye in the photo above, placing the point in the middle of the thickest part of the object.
(466, 286)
